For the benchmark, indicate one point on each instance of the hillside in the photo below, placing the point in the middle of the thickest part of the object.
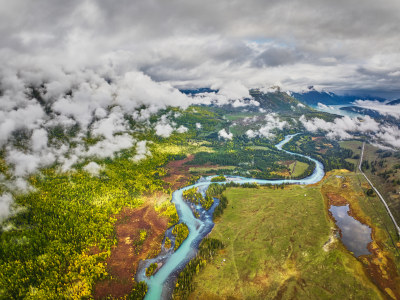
(373, 114)
(394, 102)
(313, 97)
(278, 102)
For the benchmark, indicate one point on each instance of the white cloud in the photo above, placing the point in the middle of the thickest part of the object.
(39, 140)
(164, 130)
(322, 106)
(93, 168)
(249, 120)
(108, 147)
(251, 133)
(390, 135)
(233, 90)
(345, 128)
(5, 205)
(388, 110)
(164, 127)
(30, 116)
(141, 151)
(68, 161)
(272, 122)
(225, 135)
(182, 129)
(110, 125)
(270, 89)
(20, 185)
(27, 163)
(341, 126)
(100, 113)
(136, 88)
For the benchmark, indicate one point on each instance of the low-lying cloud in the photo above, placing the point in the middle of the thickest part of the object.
(382, 108)
(5, 205)
(272, 122)
(223, 134)
(346, 128)
(142, 151)
(93, 168)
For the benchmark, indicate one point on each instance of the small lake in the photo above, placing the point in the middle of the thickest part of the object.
(354, 235)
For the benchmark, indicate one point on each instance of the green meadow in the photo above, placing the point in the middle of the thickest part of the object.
(274, 248)
(298, 168)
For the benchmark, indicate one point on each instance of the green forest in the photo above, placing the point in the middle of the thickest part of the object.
(180, 231)
(46, 251)
(328, 152)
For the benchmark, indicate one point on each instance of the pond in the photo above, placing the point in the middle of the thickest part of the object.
(354, 235)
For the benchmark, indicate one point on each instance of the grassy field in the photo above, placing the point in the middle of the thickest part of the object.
(298, 168)
(355, 146)
(238, 129)
(275, 246)
(258, 148)
(240, 115)
(294, 168)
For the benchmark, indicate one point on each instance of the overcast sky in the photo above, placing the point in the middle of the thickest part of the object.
(337, 45)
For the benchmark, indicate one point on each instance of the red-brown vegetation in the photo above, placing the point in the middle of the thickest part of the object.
(124, 259)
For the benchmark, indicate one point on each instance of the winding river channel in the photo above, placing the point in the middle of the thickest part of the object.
(161, 284)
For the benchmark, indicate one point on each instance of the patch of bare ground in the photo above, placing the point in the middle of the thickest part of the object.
(178, 174)
(336, 200)
(382, 270)
(123, 261)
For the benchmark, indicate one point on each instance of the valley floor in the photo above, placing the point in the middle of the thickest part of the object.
(281, 244)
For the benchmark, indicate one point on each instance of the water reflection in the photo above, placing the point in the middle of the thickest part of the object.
(355, 235)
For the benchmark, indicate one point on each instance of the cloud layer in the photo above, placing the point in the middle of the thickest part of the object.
(339, 45)
(271, 123)
(388, 110)
(346, 127)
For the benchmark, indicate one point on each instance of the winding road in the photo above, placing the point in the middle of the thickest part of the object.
(377, 192)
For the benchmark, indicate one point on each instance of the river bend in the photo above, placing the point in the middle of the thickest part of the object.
(161, 284)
